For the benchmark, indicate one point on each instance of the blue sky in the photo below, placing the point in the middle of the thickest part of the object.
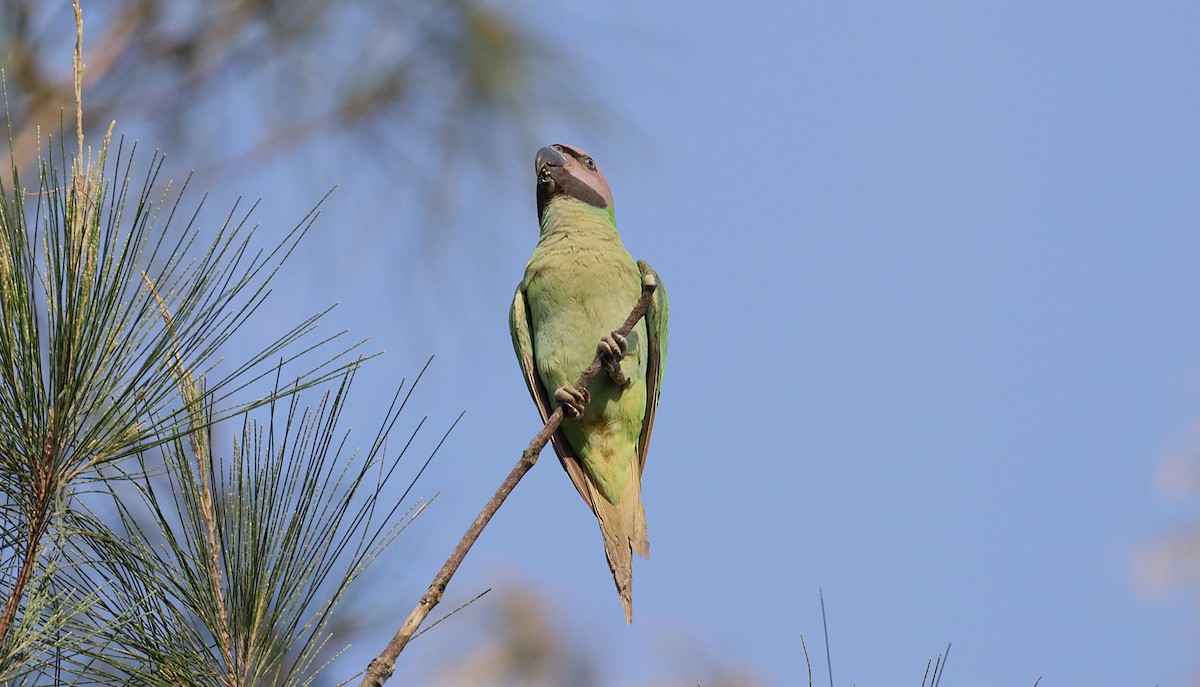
(932, 268)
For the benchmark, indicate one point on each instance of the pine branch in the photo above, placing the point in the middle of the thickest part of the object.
(46, 481)
(190, 393)
(382, 667)
(39, 522)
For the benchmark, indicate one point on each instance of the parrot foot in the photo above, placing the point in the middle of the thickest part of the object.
(611, 349)
(572, 400)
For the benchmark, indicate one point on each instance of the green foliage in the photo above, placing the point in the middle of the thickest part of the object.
(131, 551)
(237, 581)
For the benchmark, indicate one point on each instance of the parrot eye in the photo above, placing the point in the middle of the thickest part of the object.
(591, 164)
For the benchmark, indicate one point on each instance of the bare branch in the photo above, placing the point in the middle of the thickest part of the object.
(382, 667)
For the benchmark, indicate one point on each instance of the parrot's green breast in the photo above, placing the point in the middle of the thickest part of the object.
(581, 285)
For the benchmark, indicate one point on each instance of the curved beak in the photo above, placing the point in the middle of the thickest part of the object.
(548, 157)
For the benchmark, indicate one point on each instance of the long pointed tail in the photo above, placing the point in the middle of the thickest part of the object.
(623, 527)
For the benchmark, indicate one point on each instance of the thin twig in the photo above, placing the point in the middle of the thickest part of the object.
(189, 390)
(439, 620)
(78, 69)
(825, 626)
(382, 667)
(807, 661)
(937, 680)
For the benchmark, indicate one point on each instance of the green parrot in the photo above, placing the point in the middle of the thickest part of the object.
(579, 285)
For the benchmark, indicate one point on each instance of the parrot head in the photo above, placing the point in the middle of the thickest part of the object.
(564, 170)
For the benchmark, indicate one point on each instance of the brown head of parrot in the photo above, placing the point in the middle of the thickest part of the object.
(568, 171)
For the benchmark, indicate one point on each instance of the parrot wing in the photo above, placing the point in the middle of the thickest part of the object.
(656, 334)
(522, 335)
